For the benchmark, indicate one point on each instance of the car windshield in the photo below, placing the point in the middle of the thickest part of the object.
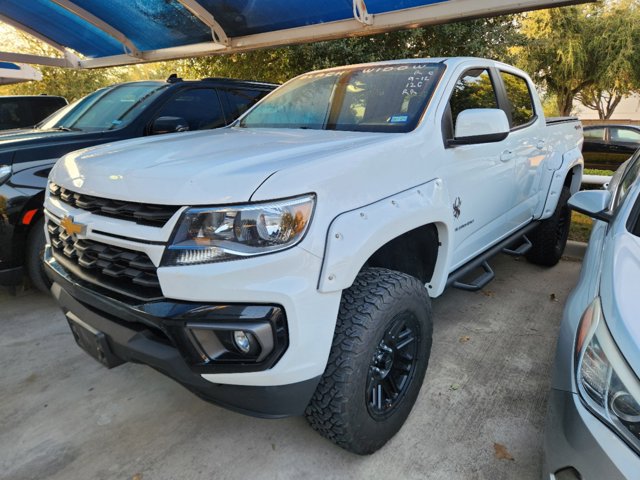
(104, 109)
(381, 98)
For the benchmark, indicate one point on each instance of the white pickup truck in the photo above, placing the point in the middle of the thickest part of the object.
(285, 265)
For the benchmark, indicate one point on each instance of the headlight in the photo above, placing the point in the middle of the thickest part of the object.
(218, 234)
(605, 381)
(5, 172)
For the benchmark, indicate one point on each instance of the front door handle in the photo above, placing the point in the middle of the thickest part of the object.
(540, 145)
(506, 156)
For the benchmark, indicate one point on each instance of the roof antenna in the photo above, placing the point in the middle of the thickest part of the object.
(174, 78)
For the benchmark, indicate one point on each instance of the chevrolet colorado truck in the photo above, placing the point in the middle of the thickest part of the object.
(285, 265)
(118, 112)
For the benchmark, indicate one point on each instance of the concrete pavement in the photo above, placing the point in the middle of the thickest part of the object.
(480, 413)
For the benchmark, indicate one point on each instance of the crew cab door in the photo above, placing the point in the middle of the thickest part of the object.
(526, 146)
(479, 177)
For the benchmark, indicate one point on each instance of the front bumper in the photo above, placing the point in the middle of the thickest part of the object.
(11, 276)
(575, 439)
(148, 334)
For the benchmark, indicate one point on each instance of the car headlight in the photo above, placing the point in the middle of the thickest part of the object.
(606, 383)
(5, 172)
(218, 234)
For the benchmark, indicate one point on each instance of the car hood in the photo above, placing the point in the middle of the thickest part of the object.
(32, 144)
(619, 294)
(198, 168)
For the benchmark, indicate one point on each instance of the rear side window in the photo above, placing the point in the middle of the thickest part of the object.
(474, 89)
(594, 134)
(200, 107)
(520, 99)
(240, 100)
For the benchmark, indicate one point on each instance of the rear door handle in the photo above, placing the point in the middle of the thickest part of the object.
(540, 145)
(506, 156)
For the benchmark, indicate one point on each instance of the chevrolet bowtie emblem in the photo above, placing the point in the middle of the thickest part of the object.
(71, 227)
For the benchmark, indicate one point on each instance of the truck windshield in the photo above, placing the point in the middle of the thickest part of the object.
(104, 109)
(381, 98)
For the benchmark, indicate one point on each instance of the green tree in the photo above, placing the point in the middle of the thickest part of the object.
(616, 47)
(579, 49)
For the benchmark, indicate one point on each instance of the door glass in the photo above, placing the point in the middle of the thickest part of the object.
(474, 90)
(625, 135)
(240, 100)
(519, 96)
(200, 107)
(594, 134)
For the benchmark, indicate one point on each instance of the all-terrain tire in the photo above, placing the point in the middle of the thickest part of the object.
(380, 312)
(34, 257)
(550, 237)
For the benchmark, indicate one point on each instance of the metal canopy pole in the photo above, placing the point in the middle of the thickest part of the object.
(100, 24)
(202, 14)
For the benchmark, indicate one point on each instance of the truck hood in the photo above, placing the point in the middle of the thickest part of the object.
(199, 168)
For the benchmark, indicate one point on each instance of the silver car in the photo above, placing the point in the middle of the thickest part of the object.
(593, 422)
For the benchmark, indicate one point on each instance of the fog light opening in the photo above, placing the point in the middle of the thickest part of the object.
(242, 341)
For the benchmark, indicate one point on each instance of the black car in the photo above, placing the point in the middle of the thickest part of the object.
(21, 111)
(606, 147)
(110, 114)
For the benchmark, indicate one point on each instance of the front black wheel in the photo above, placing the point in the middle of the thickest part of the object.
(34, 257)
(377, 363)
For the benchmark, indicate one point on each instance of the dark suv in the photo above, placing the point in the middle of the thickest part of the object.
(21, 111)
(110, 114)
(608, 146)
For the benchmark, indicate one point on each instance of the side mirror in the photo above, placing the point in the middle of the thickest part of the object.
(592, 203)
(169, 125)
(480, 125)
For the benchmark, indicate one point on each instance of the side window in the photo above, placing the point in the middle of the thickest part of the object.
(520, 99)
(594, 134)
(240, 100)
(624, 135)
(473, 90)
(630, 175)
(200, 107)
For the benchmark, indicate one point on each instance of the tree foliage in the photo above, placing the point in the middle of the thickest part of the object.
(587, 49)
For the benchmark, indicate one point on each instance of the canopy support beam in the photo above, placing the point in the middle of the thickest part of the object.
(217, 32)
(36, 60)
(101, 25)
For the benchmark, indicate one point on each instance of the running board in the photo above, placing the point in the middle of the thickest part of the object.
(479, 282)
(523, 248)
(455, 277)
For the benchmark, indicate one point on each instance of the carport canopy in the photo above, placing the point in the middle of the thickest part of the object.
(99, 33)
(13, 73)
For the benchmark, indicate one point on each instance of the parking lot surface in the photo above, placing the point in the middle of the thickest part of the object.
(480, 414)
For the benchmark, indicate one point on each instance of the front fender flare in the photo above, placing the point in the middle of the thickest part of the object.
(355, 235)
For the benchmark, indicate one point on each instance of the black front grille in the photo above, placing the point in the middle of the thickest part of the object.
(126, 271)
(143, 213)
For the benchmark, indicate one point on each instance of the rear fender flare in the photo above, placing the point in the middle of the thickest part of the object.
(571, 160)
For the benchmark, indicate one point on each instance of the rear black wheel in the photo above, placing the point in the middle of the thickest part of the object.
(550, 237)
(377, 363)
